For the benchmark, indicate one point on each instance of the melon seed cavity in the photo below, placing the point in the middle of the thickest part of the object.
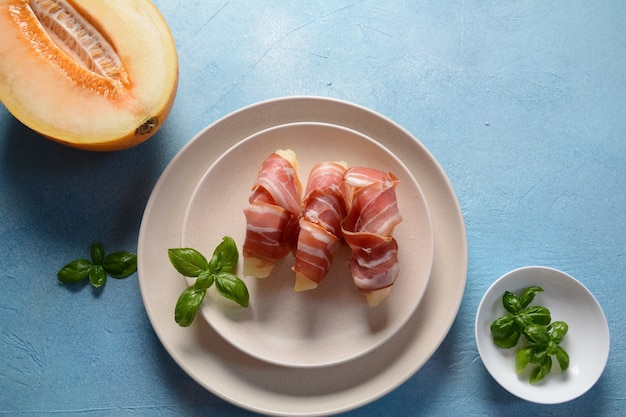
(60, 34)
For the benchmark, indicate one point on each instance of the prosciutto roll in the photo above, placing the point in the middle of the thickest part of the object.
(367, 229)
(272, 214)
(319, 236)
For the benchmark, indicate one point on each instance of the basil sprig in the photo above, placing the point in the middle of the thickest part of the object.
(506, 330)
(534, 323)
(219, 270)
(545, 341)
(116, 265)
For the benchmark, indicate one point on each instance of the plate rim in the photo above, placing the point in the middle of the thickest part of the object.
(404, 365)
(428, 232)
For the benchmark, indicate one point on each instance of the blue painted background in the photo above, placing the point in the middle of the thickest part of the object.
(523, 103)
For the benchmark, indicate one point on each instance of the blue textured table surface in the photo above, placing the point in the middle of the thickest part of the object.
(523, 103)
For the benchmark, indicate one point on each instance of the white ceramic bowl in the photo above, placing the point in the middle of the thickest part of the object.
(587, 340)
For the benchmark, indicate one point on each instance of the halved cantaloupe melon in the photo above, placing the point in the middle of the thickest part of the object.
(91, 74)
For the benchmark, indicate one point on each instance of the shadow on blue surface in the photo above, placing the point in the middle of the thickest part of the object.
(73, 197)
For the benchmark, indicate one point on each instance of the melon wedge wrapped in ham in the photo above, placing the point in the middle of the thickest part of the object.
(323, 210)
(367, 228)
(272, 214)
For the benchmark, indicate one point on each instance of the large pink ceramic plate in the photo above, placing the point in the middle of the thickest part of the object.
(287, 391)
(333, 323)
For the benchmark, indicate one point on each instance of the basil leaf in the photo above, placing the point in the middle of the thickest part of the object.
(510, 302)
(205, 280)
(75, 271)
(541, 371)
(225, 256)
(523, 320)
(97, 276)
(120, 264)
(536, 333)
(538, 314)
(503, 327)
(562, 357)
(522, 358)
(557, 331)
(97, 253)
(507, 342)
(537, 354)
(187, 305)
(189, 262)
(528, 296)
(233, 288)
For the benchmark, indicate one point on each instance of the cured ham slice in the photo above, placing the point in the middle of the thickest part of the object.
(272, 214)
(367, 229)
(319, 236)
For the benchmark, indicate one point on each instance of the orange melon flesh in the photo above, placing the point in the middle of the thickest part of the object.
(95, 75)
